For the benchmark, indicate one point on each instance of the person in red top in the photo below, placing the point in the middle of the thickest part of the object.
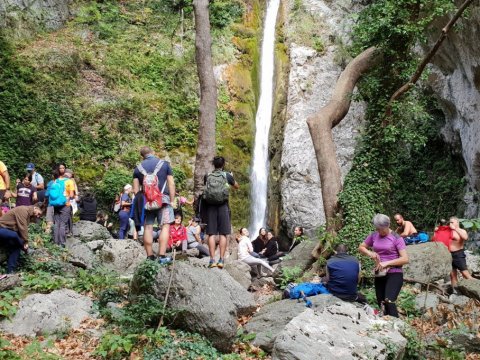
(178, 235)
(443, 233)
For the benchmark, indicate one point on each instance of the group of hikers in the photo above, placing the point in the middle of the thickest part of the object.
(152, 199)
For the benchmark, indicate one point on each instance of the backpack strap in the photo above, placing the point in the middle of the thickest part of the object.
(142, 170)
(158, 167)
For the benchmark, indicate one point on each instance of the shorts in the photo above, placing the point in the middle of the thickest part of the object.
(163, 216)
(459, 260)
(218, 219)
(49, 215)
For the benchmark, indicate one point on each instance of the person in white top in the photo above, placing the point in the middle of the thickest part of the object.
(245, 249)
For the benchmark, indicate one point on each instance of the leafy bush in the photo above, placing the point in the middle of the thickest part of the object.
(289, 274)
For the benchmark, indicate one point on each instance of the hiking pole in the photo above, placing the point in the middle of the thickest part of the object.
(160, 323)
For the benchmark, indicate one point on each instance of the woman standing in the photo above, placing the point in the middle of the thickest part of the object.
(124, 213)
(390, 254)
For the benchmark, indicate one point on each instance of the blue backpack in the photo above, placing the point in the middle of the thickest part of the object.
(56, 193)
(304, 290)
(419, 238)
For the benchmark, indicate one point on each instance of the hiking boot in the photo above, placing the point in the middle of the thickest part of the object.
(212, 264)
(165, 260)
(220, 264)
(151, 257)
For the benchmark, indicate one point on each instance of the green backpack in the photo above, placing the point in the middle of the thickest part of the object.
(216, 188)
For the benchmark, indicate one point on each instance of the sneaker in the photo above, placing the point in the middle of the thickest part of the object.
(165, 260)
(151, 257)
(212, 264)
(220, 264)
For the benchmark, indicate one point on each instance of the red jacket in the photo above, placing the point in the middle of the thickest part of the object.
(177, 234)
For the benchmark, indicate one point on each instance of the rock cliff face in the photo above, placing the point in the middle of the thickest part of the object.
(455, 79)
(23, 15)
(311, 80)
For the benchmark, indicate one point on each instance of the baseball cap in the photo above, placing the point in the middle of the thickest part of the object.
(30, 166)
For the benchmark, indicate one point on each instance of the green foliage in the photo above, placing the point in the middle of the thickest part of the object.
(406, 302)
(144, 277)
(8, 302)
(114, 346)
(95, 281)
(112, 184)
(289, 274)
(415, 348)
(470, 224)
(224, 12)
(7, 354)
(44, 282)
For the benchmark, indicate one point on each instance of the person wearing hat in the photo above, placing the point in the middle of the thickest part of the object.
(37, 179)
(193, 237)
(124, 213)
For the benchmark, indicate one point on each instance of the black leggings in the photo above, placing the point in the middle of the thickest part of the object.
(387, 289)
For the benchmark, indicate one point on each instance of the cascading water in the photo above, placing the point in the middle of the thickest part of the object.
(260, 167)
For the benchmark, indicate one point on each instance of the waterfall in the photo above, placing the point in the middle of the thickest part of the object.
(263, 119)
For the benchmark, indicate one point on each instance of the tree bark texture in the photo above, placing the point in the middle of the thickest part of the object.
(421, 67)
(321, 124)
(206, 146)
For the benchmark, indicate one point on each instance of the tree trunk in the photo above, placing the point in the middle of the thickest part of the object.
(421, 67)
(206, 146)
(320, 126)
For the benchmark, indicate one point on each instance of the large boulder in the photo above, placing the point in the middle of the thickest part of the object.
(208, 301)
(428, 262)
(41, 314)
(470, 288)
(122, 256)
(10, 282)
(89, 231)
(340, 331)
(424, 301)
(300, 257)
(473, 262)
(270, 321)
(240, 271)
(81, 255)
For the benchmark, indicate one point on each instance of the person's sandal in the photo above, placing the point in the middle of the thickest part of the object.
(212, 264)
(220, 264)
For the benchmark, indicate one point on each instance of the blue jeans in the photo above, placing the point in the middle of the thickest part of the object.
(13, 243)
(124, 223)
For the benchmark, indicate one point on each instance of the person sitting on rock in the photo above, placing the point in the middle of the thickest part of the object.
(259, 244)
(178, 235)
(245, 249)
(459, 259)
(193, 237)
(271, 249)
(14, 232)
(405, 228)
(343, 275)
(298, 237)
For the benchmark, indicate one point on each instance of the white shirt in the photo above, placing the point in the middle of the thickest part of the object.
(244, 248)
(37, 179)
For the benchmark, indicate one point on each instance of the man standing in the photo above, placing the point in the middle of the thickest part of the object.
(164, 215)
(4, 182)
(343, 274)
(459, 259)
(14, 232)
(37, 179)
(217, 212)
(405, 228)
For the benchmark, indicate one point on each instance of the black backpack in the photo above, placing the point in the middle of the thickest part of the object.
(216, 190)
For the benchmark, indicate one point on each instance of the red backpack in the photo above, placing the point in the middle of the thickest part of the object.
(444, 235)
(153, 195)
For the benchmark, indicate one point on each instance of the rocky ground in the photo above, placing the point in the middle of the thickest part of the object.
(99, 298)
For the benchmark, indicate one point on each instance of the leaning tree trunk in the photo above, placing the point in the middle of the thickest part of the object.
(321, 125)
(208, 95)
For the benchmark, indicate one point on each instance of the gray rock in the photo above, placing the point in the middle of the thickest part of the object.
(95, 245)
(473, 262)
(312, 78)
(208, 301)
(470, 288)
(86, 231)
(459, 300)
(428, 262)
(122, 256)
(300, 256)
(432, 301)
(81, 255)
(341, 331)
(240, 271)
(10, 282)
(258, 283)
(272, 318)
(41, 314)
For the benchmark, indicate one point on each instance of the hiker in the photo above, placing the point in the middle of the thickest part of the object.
(390, 254)
(150, 174)
(26, 193)
(4, 182)
(343, 275)
(178, 235)
(405, 228)
(459, 259)
(73, 201)
(37, 179)
(259, 244)
(217, 211)
(60, 192)
(193, 237)
(298, 237)
(88, 207)
(14, 232)
(443, 233)
(271, 249)
(124, 213)
(245, 249)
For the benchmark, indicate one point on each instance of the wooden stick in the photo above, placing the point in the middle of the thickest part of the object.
(160, 323)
